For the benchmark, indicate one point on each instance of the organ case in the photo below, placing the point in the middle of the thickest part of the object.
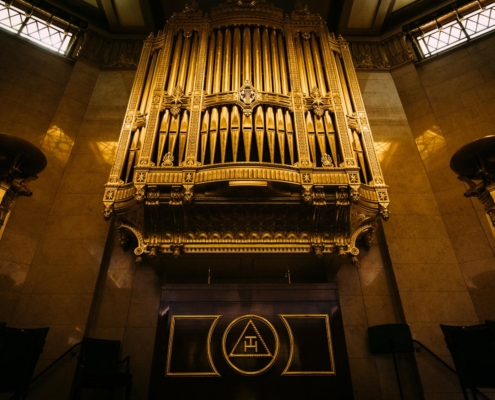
(246, 132)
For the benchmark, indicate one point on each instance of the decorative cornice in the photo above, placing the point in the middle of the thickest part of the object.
(383, 54)
(106, 51)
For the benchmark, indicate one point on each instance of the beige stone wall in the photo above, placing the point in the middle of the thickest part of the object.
(450, 102)
(440, 245)
(51, 252)
(32, 83)
(428, 278)
(368, 297)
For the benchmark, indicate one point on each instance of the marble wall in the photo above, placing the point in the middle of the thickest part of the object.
(440, 245)
(52, 248)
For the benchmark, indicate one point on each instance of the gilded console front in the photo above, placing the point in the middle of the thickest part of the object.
(246, 132)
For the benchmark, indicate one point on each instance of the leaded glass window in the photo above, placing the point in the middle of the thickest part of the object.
(458, 31)
(34, 29)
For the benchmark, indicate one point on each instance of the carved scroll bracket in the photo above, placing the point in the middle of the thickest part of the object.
(125, 227)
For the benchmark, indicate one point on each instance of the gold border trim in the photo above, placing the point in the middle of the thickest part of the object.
(208, 342)
(291, 338)
(275, 353)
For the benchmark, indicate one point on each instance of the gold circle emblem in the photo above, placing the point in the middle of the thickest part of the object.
(250, 344)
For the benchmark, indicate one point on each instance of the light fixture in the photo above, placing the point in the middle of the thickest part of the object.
(475, 165)
(20, 162)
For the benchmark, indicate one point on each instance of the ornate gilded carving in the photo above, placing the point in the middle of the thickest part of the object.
(326, 161)
(219, 156)
(105, 51)
(177, 99)
(383, 54)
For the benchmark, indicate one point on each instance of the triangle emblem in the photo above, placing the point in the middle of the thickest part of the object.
(252, 344)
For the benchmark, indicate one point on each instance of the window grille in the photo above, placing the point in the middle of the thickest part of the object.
(459, 31)
(35, 29)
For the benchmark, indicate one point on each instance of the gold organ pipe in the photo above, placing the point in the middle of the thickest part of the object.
(319, 68)
(211, 63)
(204, 135)
(302, 67)
(142, 133)
(227, 59)
(213, 133)
(184, 125)
(172, 134)
(175, 64)
(311, 136)
(330, 130)
(217, 78)
(162, 136)
(132, 154)
(270, 132)
(224, 132)
(257, 69)
(281, 134)
(275, 62)
(148, 85)
(184, 63)
(320, 134)
(310, 68)
(235, 130)
(246, 54)
(289, 129)
(343, 83)
(360, 154)
(192, 65)
(267, 69)
(155, 77)
(283, 65)
(247, 134)
(236, 60)
(259, 126)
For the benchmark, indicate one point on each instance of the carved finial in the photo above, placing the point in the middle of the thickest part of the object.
(108, 212)
(318, 249)
(301, 8)
(384, 212)
(326, 161)
(168, 160)
(176, 249)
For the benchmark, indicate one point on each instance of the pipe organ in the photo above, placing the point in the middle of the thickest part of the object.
(246, 132)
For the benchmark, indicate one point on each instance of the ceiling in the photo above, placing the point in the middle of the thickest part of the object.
(345, 17)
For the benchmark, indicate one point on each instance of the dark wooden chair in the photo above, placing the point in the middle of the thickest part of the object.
(473, 355)
(19, 353)
(491, 326)
(99, 367)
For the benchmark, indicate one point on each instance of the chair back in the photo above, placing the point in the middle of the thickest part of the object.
(472, 353)
(491, 326)
(99, 356)
(390, 338)
(19, 353)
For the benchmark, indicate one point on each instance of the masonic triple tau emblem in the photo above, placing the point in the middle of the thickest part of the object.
(258, 341)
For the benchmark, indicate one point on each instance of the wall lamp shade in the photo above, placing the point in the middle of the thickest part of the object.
(20, 162)
(19, 157)
(475, 165)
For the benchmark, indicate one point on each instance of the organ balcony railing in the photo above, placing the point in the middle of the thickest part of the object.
(246, 132)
